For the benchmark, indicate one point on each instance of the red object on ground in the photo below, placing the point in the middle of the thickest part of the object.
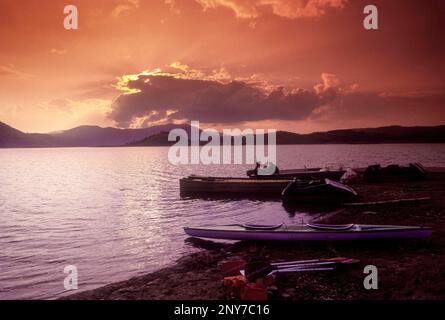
(232, 268)
(235, 285)
(239, 287)
(252, 291)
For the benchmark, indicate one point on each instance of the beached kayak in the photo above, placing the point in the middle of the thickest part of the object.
(308, 232)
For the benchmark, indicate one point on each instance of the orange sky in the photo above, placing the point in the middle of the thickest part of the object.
(298, 65)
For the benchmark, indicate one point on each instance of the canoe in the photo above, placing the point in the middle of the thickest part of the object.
(318, 190)
(308, 232)
(232, 186)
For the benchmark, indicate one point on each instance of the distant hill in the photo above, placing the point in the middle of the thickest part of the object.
(10, 137)
(92, 136)
(160, 139)
(391, 134)
(13, 138)
(83, 136)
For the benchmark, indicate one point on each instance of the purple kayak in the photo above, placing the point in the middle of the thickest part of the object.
(308, 232)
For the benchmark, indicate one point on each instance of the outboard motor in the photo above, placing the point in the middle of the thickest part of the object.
(254, 172)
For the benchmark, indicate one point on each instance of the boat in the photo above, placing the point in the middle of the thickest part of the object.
(395, 172)
(232, 186)
(308, 232)
(271, 185)
(302, 173)
(318, 190)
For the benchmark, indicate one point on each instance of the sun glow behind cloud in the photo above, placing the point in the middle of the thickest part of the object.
(126, 82)
(87, 111)
(123, 81)
(292, 9)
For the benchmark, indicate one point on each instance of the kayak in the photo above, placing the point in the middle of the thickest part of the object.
(308, 232)
(318, 190)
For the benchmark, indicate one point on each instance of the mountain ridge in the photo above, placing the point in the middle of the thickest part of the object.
(95, 136)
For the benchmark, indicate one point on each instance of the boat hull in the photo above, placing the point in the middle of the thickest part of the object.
(322, 191)
(271, 185)
(315, 235)
(232, 186)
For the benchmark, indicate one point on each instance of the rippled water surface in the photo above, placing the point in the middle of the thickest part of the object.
(116, 212)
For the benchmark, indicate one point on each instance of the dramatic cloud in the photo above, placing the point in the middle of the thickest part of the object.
(159, 97)
(155, 96)
(293, 9)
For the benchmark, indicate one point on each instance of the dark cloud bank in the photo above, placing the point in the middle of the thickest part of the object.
(238, 101)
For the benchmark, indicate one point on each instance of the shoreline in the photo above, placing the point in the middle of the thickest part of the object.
(407, 269)
(278, 144)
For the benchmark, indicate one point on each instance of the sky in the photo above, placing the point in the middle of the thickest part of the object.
(296, 65)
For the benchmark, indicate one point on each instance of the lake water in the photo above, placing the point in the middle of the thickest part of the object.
(116, 212)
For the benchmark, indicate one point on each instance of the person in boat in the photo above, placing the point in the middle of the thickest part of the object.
(254, 172)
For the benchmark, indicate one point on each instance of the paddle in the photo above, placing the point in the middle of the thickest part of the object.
(301, 270)
(306, 266)
(243, 272)
(336, 259)
(265, 269)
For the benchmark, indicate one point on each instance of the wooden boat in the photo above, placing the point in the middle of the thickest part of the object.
(394, 172)
(318, 190)
(308, 232)
(271, 185)
(232, 186)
